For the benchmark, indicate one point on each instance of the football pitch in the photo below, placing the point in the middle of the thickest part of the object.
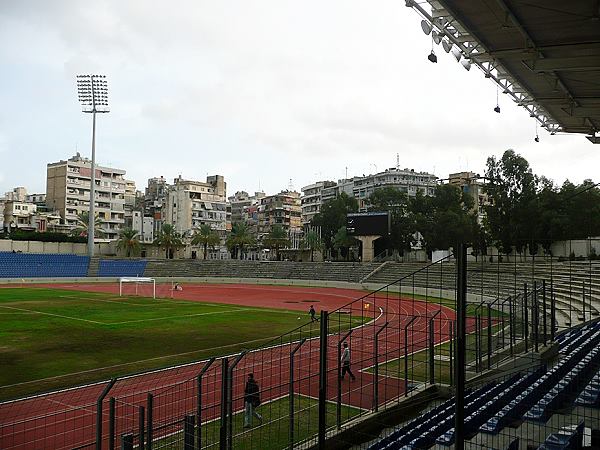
(52, 338)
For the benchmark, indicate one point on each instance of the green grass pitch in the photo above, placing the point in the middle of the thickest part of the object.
(51, 338)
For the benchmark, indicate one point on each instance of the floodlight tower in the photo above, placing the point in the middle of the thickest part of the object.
(93, 96)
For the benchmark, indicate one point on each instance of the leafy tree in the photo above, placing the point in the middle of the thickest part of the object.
(276, 239)
(333, 216)
(239, 239)
(206, 237)
(128, 242)
(311, 241)
(512, 217)
(169, 239)
(81, 229)
(446, 218)
(342, 242)
(402, 226)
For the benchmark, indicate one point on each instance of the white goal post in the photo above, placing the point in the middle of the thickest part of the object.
(137, 281)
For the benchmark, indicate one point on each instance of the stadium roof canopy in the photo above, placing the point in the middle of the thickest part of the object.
(545, 54)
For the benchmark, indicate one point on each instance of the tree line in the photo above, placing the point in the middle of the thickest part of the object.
(522, 212)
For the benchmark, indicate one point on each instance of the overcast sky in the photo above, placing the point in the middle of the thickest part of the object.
(259, 91)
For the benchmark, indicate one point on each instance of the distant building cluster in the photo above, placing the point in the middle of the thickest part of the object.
(189, 204)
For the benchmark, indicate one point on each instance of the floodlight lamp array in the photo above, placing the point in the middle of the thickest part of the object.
(444, 29)
(92, 92)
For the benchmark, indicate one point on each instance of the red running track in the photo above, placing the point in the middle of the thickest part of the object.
(66, 419)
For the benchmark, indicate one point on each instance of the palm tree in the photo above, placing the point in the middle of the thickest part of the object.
(128, 241)
(206, 237)
(83, 221)
(169, 239)
(312, 241)
(342, 240)
(240, 238)
(277, 238)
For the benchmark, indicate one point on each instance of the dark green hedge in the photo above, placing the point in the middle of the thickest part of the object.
(19, 235)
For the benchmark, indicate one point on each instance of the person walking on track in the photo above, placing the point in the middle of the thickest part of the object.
(312, 313)
(251, 401)
(345, 360)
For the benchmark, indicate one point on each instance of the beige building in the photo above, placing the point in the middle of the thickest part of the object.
(470, 183)
(312, 199)
(283, 209)
(68, 192)
(190, 204)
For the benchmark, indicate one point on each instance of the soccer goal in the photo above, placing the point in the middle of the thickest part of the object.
(137, 286)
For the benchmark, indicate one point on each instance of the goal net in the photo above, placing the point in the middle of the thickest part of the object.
(140, 286)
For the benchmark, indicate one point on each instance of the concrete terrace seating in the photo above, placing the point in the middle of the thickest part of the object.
(332, 271)
(34, 265)
(121, 268)
(576, 284)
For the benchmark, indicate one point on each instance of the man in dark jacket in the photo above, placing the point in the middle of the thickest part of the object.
(251, 401)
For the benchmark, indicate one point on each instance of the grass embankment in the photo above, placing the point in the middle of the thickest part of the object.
(418, 362)
(51, 338)
(273, 433)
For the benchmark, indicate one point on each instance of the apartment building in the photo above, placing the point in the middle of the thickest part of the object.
(68, 192)
(190, 204)
(405, 180)
(244, 206)
(470, 183)
(283, 209)
(312, 199)
(155, 198)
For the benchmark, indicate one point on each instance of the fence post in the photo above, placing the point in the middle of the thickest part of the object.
(141, 413)
(188, 432)
(461, 306)
(450, 351)
(406, 355)
(376, 381)
(489, 337)
(552, 312)
(291, 393)
(127, 441)
(199, 399)
(544, 312)
(149, 424)
(583, 298)
(511, 326)
(99, 401)
(338, 404)
(230, 398)
(223, 427)
(111, 424)
(323, 378)
(525, 318)
(536, 317)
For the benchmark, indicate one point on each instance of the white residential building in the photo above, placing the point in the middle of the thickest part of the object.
(312, 199)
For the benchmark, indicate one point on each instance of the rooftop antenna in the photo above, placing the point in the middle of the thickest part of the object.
(397, 161)
(346, 172)
(290, 185)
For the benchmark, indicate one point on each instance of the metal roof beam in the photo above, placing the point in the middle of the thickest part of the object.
(571, 64)
(583, 111)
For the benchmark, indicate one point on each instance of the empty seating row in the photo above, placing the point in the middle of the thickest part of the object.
(568, 438)
(121, 268)
(562, 391)
(590, 396)
(516, 409)
(423, 431)
(34, 265)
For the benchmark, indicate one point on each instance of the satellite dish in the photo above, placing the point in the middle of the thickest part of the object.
(456, 53)
(447, 46)
(466, 64)
(426, 26)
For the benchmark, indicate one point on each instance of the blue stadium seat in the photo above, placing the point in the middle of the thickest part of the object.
(565, 439)
(34, 265)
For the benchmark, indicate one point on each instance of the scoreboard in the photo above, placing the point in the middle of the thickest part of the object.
(368, 224)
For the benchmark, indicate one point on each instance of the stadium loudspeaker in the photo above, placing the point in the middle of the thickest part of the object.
(426, 27)
(447, 45)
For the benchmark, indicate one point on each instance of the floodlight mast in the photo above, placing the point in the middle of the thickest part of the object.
(93, 96)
